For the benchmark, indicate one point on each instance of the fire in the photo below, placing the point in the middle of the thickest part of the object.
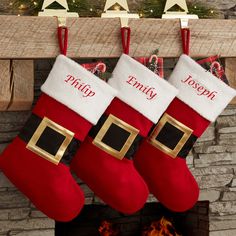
(108, 229)
(162, 227)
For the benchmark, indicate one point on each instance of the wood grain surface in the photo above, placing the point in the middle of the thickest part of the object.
(230, 70)
(5, 84)
(16, 85)
(36, 37)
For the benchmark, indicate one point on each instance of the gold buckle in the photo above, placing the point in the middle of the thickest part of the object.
(130, 129)
(168, 119)
(37, 134)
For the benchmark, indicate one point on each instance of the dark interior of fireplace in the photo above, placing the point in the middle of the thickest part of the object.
(94, 219)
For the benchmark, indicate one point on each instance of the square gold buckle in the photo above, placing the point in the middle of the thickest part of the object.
(176, 124)
(32, 145)
(112, 120)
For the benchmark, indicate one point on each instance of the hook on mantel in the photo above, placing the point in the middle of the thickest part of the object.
(61, 14)
(118, 9)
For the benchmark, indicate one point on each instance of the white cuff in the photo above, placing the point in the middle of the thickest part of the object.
(78, 89)
(199, 89)
(141, 89)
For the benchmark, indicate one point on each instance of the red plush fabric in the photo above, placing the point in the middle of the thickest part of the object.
(50, 187)
(115, 181)
(170, 179)
(62, 115)
(130, 116)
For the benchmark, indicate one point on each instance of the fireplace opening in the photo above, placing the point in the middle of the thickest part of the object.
(153, 220)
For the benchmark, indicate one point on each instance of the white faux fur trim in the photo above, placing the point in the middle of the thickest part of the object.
(78, 89)
(199, 89)
(140, 88)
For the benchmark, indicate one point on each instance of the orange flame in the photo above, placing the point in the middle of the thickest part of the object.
(162, 227)
(107, 229)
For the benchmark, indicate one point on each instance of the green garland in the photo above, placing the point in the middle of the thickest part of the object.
(32, 7)
(155, 9)
(149, 8)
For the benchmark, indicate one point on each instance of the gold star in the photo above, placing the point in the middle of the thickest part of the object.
(180, 3)
(122, 3)
(47, 3)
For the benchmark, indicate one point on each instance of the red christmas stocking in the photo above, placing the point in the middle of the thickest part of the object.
(161, 158)
(73, 100)
(104, 160)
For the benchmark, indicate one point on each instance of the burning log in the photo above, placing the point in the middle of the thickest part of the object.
(162, 227)
(108, 229)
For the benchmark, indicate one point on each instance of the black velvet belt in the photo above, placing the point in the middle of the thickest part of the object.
(49, 140)
(116, 137)
(172, 137)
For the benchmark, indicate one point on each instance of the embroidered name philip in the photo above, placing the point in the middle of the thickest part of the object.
(80, 86)
(200, 90)
(150, 92)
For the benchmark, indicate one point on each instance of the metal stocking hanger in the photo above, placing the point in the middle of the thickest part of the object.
(183, 16)
(120, 9)
(61, 15)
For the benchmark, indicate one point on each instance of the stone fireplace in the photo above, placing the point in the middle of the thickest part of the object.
(212, 162)
(195, 222)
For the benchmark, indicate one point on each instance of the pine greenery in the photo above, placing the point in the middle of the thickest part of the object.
(155, 9)
(148, 8)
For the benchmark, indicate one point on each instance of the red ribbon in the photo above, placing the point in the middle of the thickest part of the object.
(185, 33)
(125, 37)
(63, 31)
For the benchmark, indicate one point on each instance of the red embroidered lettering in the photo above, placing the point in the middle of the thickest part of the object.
(200, 90)
(69, 78)
(191, 82)
(150, 92)
(204, 93)
(85, 89)
(138, 85)
(131, 78)
(184, 81)
(75, 83)
(212, 95)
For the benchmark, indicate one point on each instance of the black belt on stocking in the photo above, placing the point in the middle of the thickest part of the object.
(49, 140)
(116, 137)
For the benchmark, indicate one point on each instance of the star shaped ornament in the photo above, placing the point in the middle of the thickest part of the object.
(47, 3)
(180, 3)
(122, 3)
(183, 16)
(62, 14)
(123, 14)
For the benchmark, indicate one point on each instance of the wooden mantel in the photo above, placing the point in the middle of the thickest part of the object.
(27, 37)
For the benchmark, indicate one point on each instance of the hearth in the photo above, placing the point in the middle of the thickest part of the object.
(95, 218)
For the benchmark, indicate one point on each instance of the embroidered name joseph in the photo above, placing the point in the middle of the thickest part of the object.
(199, 89)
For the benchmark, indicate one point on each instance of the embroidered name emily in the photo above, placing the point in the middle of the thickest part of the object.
(150, 92)
(200, 90)
(80, 85)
